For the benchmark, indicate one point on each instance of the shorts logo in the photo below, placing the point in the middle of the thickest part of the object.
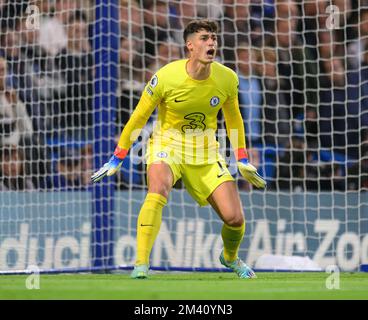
(221, 174)
(222, 171)
(214, 101)
(162, 154)
(154, 81)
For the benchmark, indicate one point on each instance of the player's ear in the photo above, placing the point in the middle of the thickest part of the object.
(189, 45)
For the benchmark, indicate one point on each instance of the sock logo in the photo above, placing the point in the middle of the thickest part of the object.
(146, 225)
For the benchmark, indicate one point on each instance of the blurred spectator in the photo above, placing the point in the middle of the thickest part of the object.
(332, 109)
(156, 27)
(296, 63)
(324, 170)
(2, 4)
(309, 12)
(312, 12)
(67, 169)
(75, 63)
(24, 77)
(275, 108)
(302, 169)
(131, 62)
(207, 9)
(53, 35)
(10, 12)
(183, 11)
(30, 45)
(13, 175)
(166, 52)
(130, 19)
(358, 48)
(331, 69)
(328, 45)
(16, 129)
(343, 26)
(45, 6)
(235, 22)
(290, 172)
(132, 80)
(186, 11)
(250, 94)
(343, 108)
(15, 124)
(19, 76)
(38, 162)
(45, 79)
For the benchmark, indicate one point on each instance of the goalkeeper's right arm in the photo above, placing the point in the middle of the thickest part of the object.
(135, 124)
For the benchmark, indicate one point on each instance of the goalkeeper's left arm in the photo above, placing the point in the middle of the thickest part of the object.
(235, 132)
(135, 124)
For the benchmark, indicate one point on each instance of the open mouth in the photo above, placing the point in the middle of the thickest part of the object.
(210, 53)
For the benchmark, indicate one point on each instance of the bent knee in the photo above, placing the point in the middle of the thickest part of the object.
(160, 188)
(160, 179)
(235, 221)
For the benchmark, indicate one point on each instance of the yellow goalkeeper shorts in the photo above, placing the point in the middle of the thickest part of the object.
(200, 180)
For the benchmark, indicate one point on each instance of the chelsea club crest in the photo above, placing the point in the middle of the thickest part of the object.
(214, 101)
(162, 154)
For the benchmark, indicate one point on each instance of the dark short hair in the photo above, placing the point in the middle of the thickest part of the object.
(197, 25)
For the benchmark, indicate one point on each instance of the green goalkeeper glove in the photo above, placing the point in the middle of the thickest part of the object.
(111, 167)
(248, 171)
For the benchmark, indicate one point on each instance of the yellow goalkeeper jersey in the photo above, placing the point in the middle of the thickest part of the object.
(188, 108)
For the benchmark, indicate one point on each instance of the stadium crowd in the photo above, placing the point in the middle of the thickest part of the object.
(303, 86)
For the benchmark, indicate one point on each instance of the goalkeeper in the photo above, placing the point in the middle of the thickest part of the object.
(189, 93)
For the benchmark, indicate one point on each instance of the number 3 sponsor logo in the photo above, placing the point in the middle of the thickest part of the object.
(196, 122)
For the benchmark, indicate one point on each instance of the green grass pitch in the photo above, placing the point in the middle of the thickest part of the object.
(205, 286)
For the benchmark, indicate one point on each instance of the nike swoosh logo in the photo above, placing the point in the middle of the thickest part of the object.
(176, 100)
(146, 225)
(220, 175)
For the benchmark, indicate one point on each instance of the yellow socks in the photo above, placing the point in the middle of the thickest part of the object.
(148, 225)
(232, 237)
(149, 222)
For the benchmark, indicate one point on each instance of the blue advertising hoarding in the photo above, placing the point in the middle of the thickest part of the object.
(53, 230)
